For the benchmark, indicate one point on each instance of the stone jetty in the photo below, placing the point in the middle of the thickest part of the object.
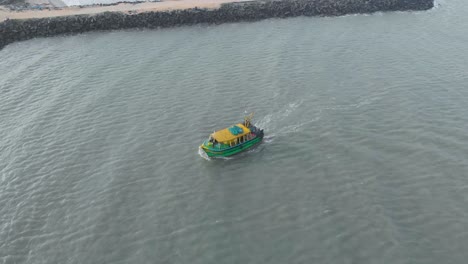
(12, 30)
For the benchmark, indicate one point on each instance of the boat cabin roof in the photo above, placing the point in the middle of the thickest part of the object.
(226, 135)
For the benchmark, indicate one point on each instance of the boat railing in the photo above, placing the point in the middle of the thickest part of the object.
(224, 146)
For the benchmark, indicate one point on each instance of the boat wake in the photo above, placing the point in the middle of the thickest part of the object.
(203, 154)
(266, 121)
(438, 3)
(225, 158)
(272, 122)
(268, 139)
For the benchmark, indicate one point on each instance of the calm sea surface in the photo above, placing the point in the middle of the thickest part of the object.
(365, 158)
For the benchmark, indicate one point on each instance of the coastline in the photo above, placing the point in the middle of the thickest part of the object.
(28, 24)
(129, 8)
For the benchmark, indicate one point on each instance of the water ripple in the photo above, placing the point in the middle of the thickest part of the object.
(363, 159)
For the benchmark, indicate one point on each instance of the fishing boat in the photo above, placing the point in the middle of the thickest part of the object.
(234, 139)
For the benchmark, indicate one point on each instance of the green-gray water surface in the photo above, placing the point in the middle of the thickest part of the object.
(365, 157)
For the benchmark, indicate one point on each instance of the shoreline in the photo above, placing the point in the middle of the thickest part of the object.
(128, 8)
(171, 13)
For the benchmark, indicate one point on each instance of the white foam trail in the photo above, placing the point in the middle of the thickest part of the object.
(269, 138)
(363, 102)
(296, 128)
(291, 129)
(269, 122)
(225, 158)
(203, 154)
(266, 121)
(291, 107)
(438, 3)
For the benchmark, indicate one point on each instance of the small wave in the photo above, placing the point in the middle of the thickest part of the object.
(266, 121)
(438, 3)
(365, 102)
(224, 158)
(296, 128)
(291, 129)
(269, 138)
(295, 104)
(291, 107)
(272, 121)
(206, 157)
(361, 103)
(203, 154)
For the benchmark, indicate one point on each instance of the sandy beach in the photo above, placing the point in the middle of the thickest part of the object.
(123, 7)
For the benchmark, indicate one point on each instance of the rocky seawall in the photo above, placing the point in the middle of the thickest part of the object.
(17, 30)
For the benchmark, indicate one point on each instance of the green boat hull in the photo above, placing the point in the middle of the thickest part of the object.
(215, 152)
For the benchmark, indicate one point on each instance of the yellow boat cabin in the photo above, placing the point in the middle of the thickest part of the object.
(232, 136)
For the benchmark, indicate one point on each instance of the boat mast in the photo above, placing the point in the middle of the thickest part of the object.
(248, 119)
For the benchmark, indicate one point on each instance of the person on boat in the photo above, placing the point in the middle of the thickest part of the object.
(211, 141)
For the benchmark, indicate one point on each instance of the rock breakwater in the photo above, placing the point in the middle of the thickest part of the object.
(17, 30)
